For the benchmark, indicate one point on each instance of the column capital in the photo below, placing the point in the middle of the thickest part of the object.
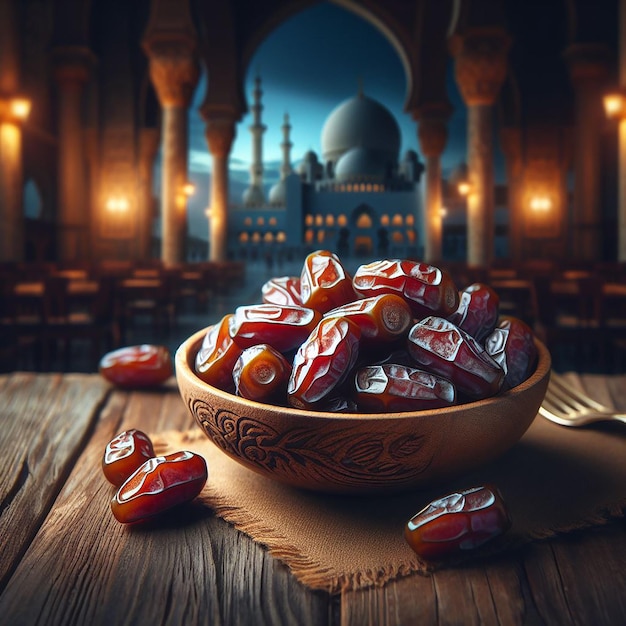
(174, 69)
(220, 133)
(480, 63)
(72, 64)
(588, 63)
(432, 130)
(170, 44)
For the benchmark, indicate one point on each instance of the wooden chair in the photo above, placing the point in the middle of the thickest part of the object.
(568, 320)
(75, 314)
(145, 299)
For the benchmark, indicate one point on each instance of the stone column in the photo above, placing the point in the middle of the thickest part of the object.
(588, 67)
(433, 135)
(11, 175)
(480, 69)
(621, 209)
(174, 72)
(220, 133)
(72, 68)
(11, 194)
(148, 149)
(511, 144)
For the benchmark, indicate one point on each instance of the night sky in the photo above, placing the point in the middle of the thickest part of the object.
(308, 66)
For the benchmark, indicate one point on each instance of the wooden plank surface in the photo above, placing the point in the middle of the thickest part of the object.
(189, 567)
(74, 564)
(45, 421)
(576, 579)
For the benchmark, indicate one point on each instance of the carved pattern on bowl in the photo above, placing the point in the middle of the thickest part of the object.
(339, 454)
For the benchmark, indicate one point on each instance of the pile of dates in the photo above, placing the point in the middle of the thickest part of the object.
(396, 336)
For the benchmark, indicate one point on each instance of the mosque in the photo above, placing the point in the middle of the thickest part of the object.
(359, 199)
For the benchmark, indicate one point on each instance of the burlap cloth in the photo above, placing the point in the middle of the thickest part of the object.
(554, 480)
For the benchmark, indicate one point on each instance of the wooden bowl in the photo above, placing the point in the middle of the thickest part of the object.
(360, 453)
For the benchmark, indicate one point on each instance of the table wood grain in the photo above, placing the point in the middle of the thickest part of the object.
(65, 560)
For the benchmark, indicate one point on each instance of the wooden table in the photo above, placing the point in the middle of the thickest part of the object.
(65, 560)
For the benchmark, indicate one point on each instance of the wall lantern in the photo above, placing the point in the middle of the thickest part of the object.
(464, 188)
(117, 204)
(443, 212)
(459, 179)
(14, 109)
(188, 189)
(540, 204)
(615, 105)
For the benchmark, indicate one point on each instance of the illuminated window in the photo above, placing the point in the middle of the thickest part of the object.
(342, 220)
(376, 188)
(308, 220)
(397, 220)
(272, 221)
(308, 236)
(409, 220)
(330, 220)
(362, 187)
(364, 221)
(268, 237)
(244, 237)
(319, 220)
(348, 187)
(397, 237)
(368, 187)
(384, 220)
(410, 235)
(247, 221)
(256, 237)
(320, 236)
(260, 221)
(281, 237)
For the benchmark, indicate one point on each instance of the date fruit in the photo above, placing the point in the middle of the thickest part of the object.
(446, 350)
(124, 454)
(477, 313)
(324, 282)
(217, 356)
(383, 318)
(512, 346)
(282, 327)
(282, 290)
(161, 483)
(458, 522)
(137, 367)
(427, 289)
(439, 346)
(323, 361)
(394, 388)
(261, 373)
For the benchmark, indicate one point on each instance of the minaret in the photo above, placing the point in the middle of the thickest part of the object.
(254, 194)
(286, 145)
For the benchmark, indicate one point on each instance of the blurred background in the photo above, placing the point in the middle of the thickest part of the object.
(159, 160)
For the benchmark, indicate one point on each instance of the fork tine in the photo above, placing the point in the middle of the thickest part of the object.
(559, 385)
(565, 400)
(554, 405)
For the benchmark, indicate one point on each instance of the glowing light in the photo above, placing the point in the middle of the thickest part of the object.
(117, 204)
(14, 110)
(615, 105)
(443, 212)
(464, 188)
(540, 204)
(188, 189)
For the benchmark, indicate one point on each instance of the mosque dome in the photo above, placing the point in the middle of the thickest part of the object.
(360, 122)
(253, 196)
(362, 165)
(278, 193)
(308, 160)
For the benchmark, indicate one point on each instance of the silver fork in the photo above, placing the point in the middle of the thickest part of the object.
(567, 406)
